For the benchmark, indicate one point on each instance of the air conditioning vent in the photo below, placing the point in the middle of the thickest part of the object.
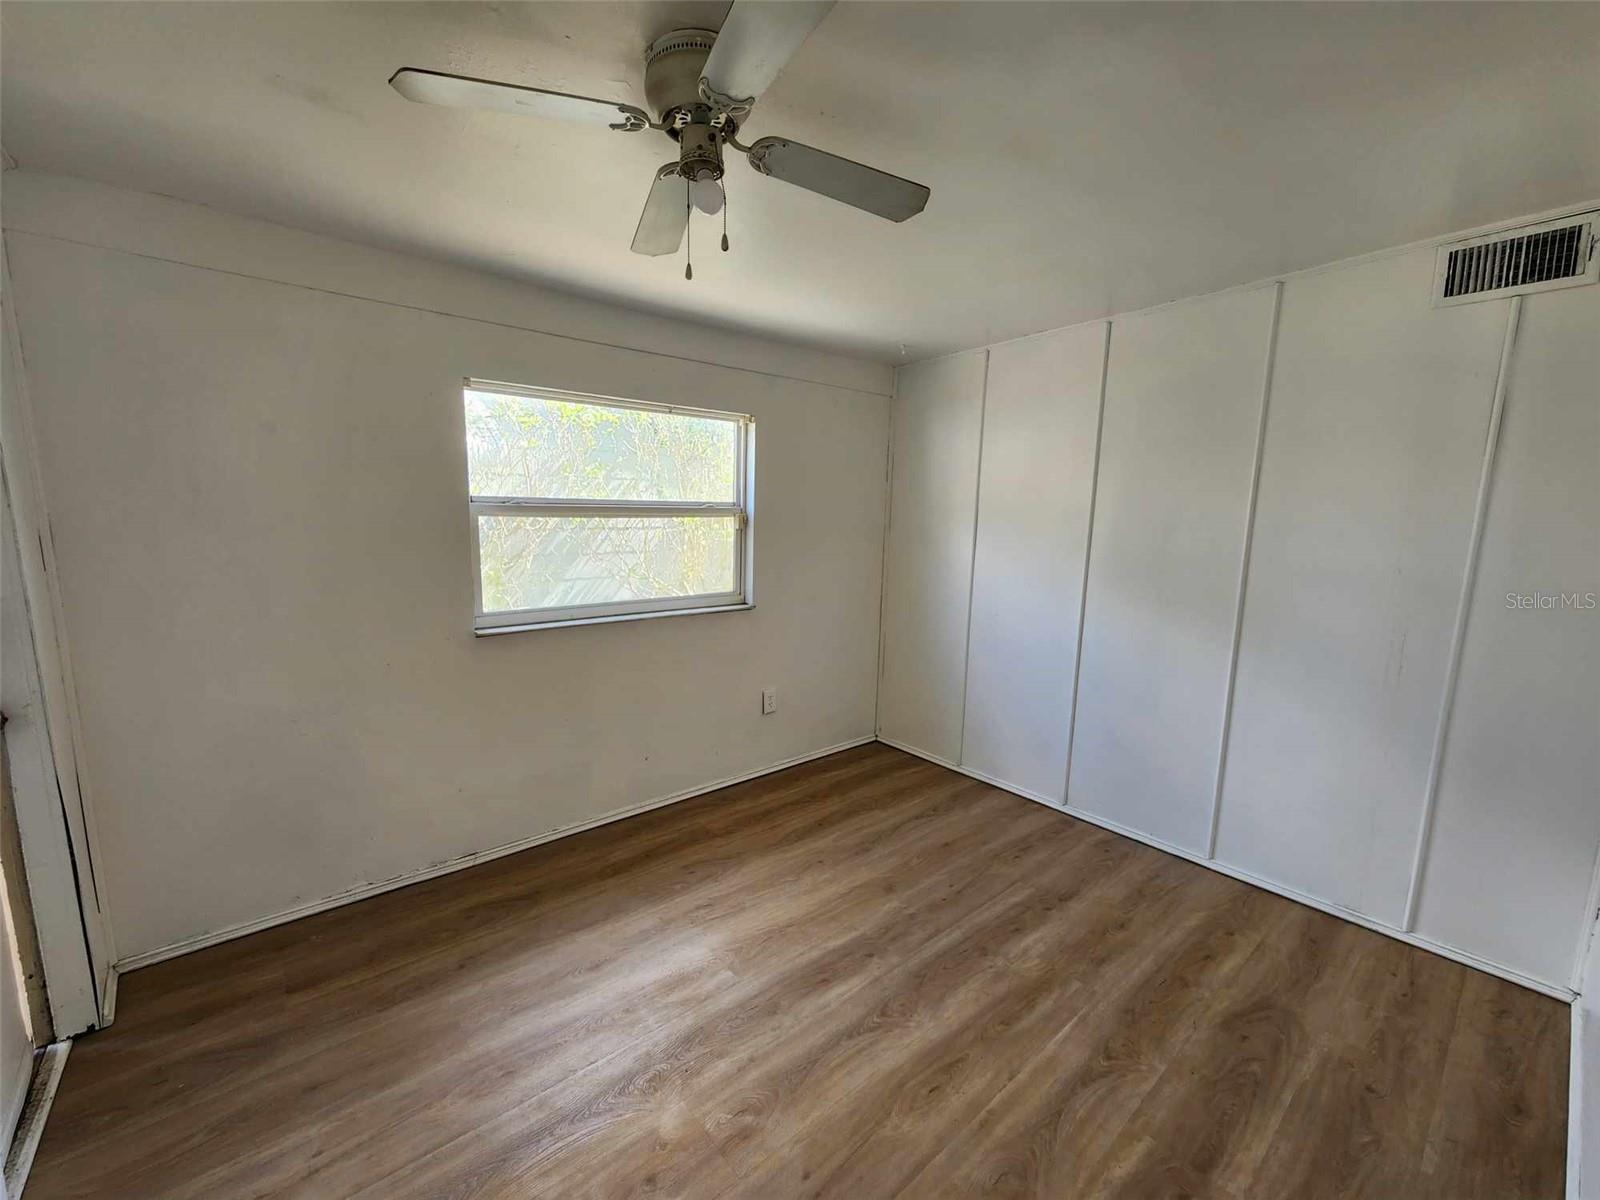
(1535, 258)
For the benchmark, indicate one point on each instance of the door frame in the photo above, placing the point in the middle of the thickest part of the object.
(42, 737)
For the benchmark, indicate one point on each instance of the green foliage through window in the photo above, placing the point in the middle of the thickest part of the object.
(567, 450)
(530, 454)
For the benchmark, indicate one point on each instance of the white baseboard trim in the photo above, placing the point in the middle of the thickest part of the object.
(933, 758)
(350, 896)
(200, 941)
(48, 1065)
(1466, 958)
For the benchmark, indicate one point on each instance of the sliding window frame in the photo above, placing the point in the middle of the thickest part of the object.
(742, 509)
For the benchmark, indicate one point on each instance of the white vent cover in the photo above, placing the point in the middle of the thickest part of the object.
(1531, 258)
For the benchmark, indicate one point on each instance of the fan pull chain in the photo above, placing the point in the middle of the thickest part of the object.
(724, 217)
(688, 233)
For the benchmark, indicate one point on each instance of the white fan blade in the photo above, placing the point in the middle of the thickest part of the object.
(756, 39)
(838, 178)
(462, 91)
(665, 215)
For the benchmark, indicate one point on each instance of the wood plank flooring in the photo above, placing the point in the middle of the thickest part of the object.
(864, 977)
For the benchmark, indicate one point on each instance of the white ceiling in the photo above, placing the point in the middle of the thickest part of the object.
(1084, 158)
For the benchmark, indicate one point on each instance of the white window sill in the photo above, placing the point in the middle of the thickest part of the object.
(611, 619)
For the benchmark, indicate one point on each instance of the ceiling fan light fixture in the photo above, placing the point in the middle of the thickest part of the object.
(706, 195)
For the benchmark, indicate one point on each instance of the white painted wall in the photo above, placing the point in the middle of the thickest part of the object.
(1377, 415)
(1369, 474)
(932, 507)
(253, 456)
(141, 223)
(1519, 795)
(1041, 422)
(1177, 460)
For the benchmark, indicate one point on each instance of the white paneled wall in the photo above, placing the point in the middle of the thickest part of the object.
(1040, 425)
(1518, 803)
(1177, 459)
(935, 429)
(1369, 475)
(1356, 416)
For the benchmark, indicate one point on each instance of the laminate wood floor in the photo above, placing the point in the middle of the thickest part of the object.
(863, 977)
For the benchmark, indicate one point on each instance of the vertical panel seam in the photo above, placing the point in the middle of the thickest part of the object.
(972, 561)
(883, 556)
(1268, 366)
(1458, 639)
(1088, 547)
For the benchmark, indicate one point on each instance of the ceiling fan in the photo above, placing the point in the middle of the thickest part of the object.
(701, 86)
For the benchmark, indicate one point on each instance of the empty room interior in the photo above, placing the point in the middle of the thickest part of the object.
(775, 599)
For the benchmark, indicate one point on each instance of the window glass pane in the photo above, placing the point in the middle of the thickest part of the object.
(531, 446)
(558, 562)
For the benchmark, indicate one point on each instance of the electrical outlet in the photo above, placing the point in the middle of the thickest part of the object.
(769, 701)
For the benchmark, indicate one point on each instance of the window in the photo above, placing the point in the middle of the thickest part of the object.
(587, 508)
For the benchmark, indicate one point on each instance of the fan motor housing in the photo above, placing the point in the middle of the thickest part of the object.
(672, 68)
(699, 152)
